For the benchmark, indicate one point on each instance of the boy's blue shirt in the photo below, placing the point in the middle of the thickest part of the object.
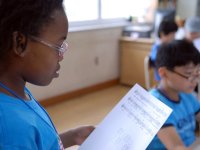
(25, 128)
(182, 118)
(153, 54)
(154, 51)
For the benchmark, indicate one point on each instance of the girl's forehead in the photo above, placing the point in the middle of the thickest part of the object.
(58, 25)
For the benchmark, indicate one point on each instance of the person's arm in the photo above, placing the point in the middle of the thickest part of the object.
(171, 139)
(75, 136)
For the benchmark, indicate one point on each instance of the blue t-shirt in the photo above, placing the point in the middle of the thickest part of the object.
(153, 54)
(182, 118)
(24, 125)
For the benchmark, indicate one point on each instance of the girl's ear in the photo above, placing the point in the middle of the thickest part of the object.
(19, 43)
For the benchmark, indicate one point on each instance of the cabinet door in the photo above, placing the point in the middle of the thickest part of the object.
(132, 62)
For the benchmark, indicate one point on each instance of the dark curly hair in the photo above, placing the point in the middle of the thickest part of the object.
(25, 16)
(177, 53)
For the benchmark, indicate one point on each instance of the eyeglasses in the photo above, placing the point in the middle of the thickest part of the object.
(195, 77)
(61, 49)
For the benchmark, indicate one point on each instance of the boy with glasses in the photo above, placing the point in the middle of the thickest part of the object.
(178, 66)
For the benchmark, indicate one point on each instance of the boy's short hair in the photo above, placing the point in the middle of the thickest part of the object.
(177, 53)
(166, 27)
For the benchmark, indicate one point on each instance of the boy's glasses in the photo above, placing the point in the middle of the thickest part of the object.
(61, 49)
(195, 77)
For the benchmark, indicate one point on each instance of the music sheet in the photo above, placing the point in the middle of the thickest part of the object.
(131, 125)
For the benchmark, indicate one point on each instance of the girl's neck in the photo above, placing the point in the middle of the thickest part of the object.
(17, 86)
(169, 92)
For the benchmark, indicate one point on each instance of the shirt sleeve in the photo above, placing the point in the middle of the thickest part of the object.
(154, 51)
(195, 103)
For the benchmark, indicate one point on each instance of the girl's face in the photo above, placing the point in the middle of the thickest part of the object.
(42, 58)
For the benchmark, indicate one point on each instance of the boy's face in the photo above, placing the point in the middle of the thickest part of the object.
(183, 78)
(166, 38)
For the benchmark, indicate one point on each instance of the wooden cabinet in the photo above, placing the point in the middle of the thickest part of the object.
(133, 52)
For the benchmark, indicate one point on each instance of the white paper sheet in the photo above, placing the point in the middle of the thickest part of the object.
(131, 125)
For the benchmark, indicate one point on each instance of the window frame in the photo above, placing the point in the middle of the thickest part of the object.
(98, 23)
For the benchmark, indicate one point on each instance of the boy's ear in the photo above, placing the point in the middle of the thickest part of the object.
(19, 43)
(162, 72)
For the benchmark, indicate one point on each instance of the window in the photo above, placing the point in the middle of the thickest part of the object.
(125, 8)
(83, 11)
(113, 9)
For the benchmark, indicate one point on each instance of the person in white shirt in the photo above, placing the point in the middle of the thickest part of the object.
(192, 30)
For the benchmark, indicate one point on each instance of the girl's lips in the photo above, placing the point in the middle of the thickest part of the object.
(56, 74)
(57, 70)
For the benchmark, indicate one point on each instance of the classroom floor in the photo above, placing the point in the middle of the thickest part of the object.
(88, 109)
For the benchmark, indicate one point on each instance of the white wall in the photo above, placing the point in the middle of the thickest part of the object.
(93, 58)
(187, 8)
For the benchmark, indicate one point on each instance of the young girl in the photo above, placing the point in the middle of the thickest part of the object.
(32, 44)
